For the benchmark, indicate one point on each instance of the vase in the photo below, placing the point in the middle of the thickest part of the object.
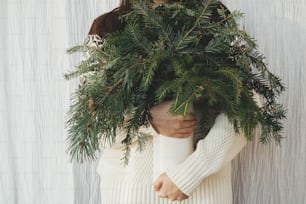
(168, 152)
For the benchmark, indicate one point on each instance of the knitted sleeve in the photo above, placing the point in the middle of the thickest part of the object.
(219, 147)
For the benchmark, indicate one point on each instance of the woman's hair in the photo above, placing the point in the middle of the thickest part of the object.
(106, 23)
(110, 22)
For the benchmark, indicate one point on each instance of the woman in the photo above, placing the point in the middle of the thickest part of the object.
(204, 177)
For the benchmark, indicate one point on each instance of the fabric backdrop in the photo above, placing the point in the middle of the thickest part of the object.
(34, 98)
(271, 174)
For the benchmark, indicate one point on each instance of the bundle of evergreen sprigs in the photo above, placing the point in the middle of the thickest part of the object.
(191, 52)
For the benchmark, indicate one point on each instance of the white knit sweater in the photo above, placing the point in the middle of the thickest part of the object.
(205, 176)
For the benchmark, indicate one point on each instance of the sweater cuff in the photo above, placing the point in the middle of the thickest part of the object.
(192, 172)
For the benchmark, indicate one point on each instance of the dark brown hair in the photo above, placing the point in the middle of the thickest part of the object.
(106, 23)
(110, 22)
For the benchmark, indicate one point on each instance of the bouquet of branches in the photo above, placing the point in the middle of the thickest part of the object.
(191, 52)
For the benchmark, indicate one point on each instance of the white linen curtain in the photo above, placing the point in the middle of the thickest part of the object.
(271, 174)
(34, 98)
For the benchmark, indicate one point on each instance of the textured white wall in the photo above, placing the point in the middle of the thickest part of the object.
(270, 174)
(34, 168)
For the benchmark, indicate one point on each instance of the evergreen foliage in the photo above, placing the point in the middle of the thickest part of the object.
(191, 52)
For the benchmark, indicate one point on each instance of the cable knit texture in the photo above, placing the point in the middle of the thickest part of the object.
(205, 176)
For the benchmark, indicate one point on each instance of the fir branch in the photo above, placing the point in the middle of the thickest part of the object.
(136, 36)
(153, 20)
(154, 61)
(206, 5)
(179, 52)
(234, 76)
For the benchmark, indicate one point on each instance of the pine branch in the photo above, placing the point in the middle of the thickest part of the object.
(206, 5)
(153, 20)
(190, 52)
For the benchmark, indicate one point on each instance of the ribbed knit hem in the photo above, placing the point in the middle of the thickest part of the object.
(214, 190)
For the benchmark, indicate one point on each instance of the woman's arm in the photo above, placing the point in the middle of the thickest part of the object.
(219, 147)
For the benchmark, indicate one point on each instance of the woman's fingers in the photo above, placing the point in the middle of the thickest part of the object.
(174, 128)
(171, 125)
(186, 117)
(182, 124)
(157, 184)
(168, 189)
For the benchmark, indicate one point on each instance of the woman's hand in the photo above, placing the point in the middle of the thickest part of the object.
(172, 126)
(167, 189)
